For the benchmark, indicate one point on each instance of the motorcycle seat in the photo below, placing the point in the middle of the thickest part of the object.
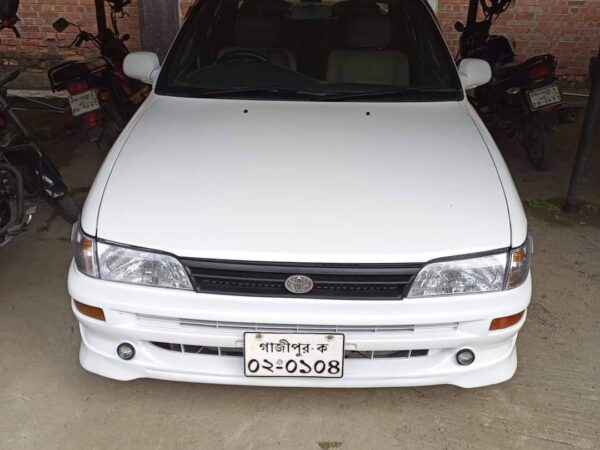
(503, 70)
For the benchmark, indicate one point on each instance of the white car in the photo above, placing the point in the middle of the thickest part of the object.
(306, 199)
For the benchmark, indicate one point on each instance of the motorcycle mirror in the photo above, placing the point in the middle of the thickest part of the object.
(61, 24)
(126, 37)
(458, 26)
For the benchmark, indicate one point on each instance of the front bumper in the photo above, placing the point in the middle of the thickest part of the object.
(143, 315)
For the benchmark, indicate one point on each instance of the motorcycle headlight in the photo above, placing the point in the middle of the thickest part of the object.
(488, 273)
(126, 265)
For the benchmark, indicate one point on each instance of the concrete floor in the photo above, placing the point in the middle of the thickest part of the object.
(48, 402)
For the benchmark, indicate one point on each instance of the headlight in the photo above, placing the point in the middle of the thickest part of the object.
(488, 273)
(126, 265)
(483, 274)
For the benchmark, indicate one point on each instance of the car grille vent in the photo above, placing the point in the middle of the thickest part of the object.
(333, 281)
(240, 327)
(239, 352)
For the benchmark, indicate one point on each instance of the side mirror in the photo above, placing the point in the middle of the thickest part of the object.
(458, 26)
(61, 24)
(474, 72)
(143, 66)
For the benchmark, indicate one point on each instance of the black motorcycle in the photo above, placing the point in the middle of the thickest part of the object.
(522, 98)
(100, 94)
(26, 175)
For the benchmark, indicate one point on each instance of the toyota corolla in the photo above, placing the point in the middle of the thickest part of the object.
(305, 199)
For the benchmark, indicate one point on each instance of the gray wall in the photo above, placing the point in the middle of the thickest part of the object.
(159, 23)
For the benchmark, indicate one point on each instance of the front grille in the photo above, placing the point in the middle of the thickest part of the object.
(333, 281)
(239, 352)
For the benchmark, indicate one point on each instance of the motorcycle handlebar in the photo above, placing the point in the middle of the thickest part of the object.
(10, 77)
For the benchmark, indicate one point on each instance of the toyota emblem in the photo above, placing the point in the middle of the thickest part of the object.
(299, 284)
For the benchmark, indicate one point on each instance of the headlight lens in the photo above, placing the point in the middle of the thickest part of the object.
(128, 265)
(482, 274)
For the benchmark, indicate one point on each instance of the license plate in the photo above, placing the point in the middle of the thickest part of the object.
(547, 95)
(85, 102)
(293, 355)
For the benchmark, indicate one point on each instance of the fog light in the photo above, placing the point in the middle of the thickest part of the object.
(126, 351)
(465, 357)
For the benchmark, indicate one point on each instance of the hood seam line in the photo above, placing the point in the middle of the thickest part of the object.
(131, 126)
(510, 227)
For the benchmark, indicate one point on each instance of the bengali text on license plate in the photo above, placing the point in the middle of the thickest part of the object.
(293, 355)
(545, 96)
(85, 102)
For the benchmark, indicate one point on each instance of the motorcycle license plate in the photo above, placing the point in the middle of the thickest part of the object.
(83, 103)
(544, 96)
(293, 355)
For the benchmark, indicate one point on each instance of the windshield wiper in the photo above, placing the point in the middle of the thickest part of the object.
(291, 92)
(402, 94)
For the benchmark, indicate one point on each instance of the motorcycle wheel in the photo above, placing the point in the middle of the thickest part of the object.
(540, 143)
(110, 132)
(65, 207)
(112, 127)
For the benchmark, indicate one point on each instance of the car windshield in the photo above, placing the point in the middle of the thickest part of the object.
(357, 50)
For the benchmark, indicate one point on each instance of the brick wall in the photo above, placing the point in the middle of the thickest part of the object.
(568, 28)
(40, 46)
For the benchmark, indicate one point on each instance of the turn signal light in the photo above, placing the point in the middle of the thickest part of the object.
(90, 311)
(504, 322)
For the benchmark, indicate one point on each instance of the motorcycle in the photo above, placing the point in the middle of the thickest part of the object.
(26, 175)
(26, 172)
(523, 98)
(99, 91)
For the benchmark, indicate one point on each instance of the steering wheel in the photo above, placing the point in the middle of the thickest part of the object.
(242, 54)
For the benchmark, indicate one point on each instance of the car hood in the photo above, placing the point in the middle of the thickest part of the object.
(305, 182)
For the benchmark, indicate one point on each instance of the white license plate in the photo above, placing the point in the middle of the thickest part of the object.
(83, 103)
(293, 355)
(547, 95)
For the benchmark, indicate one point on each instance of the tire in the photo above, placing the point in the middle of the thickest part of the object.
(65, 207)
(540, 143)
